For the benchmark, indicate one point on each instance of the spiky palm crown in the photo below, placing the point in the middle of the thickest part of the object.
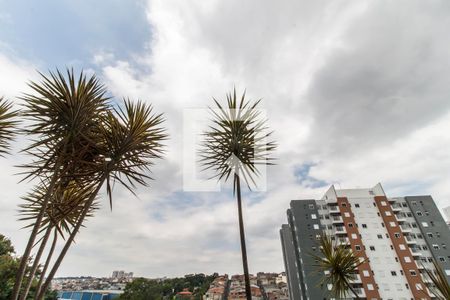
(63, 209)
(340, 263)
(65, 113)
(8, 123)
(133, 138)
(237, 140)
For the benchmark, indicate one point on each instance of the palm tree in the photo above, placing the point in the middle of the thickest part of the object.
(65, 113)
(440, 288)
(61, 214)
(234, 145)
(7, 125)
(339, 264)
(132, 140)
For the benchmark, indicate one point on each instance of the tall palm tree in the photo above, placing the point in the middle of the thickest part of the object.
(132, 140)
(440, 287)
(64, 114)
(337, 265)
(8, 124)
(233, 147)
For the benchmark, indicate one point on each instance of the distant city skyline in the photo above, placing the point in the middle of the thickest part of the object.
(356, 92)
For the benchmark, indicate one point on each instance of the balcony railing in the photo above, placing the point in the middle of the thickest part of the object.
(337, 219)
(415, 252)
(405, 228)
(340, 230)
(410, 240)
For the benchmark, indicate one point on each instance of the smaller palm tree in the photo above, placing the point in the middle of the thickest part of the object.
(338, 265)
(233, 146)
(7, 125)
(440, 287)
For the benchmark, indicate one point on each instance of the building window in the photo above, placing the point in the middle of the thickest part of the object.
(393, 273)
(418, 286)
(412, 272)
(392, 224)
(379, 236)
(388, 213)
(435, 246)
(424, 224)
(429, 234)
(402, 247)
(347, 214)
(316, 226)
(383, 203)
(356, 205)
(372, 248)
(364, 225)
(441, 258)
(366, 273)
(311, 206)
(350, 225)
(408, 214)
(354, 236)
(419, 213)
(404, 204)
(313, 216)
(447, 272)
(414, 203)
(407, 259)
(344, 204)
(370, 287)
(358, 248)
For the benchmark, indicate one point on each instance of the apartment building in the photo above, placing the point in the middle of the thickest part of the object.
(398, 237)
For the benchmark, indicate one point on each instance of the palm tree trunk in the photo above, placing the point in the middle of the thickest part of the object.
(36, 263)
(47, 262)
(23, 261)
(70, 240)
(248, 291)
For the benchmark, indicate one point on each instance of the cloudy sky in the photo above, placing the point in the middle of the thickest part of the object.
(357, 92)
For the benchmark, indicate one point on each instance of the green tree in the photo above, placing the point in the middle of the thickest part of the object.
(9, 265)
(234, 145)
(142, 289)
(337, 265)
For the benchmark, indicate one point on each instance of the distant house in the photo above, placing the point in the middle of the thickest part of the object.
(185, 294)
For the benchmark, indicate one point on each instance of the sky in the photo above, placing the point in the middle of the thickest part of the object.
(356, 92)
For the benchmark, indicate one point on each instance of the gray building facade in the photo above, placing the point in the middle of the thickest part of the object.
(435, 230)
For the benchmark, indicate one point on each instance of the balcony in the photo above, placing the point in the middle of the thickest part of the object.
(355, 278)
(400, 218)
(343, 241)
(340, 230)
(334, 209)
(360, 292)
(415, 252)
(396, 207)
(337, 220)
(410, 240)
(405, 228)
